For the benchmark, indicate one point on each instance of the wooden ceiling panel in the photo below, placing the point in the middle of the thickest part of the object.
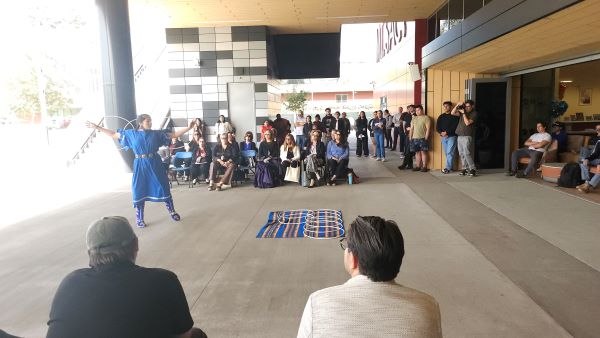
(289, 16)
(568, 34)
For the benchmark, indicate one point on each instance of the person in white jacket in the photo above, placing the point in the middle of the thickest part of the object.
(290, 159)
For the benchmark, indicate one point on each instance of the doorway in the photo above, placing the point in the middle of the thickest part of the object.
(493, 125)
(242, 114)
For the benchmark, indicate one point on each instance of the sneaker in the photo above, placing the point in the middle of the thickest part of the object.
(463, 172)
(445, 171)
(211, 187)
(141, 224)
(194, 181)
(416, 169)
(520, 175)
(378, 159)
(511, 173)
(383, 159)
(358, 155)
(584, 188)
(424, 170)
(472, 173)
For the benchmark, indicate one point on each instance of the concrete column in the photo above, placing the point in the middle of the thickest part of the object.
(117, 66)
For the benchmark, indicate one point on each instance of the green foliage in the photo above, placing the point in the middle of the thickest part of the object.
(295, 101)
(25, 101)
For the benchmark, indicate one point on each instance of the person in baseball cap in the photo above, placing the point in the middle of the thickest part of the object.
(116, 298)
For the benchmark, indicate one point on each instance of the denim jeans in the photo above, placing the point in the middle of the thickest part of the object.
(379, 145)
(300, 139)
(449, 144)
(585, 173)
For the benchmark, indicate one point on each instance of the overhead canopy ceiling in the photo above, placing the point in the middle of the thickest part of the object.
(568, 34)
(289, 16)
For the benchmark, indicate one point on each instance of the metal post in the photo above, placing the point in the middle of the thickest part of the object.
(117, 65)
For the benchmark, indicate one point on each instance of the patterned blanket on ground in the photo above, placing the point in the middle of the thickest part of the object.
(320, 223)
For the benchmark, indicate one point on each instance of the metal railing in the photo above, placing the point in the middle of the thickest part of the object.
(86, 144)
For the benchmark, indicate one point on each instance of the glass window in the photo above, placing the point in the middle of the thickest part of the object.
(341, 98)
(471, 6)
(442, 19)
(455, 12)
(431, 25)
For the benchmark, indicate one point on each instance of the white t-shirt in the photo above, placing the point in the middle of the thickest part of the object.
(539, 137)
(299, 130)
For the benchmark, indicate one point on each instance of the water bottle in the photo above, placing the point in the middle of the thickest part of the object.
(350, 178)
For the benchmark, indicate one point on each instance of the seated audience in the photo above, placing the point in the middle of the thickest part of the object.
(233, 142)
(225, 157)
(592, 159)
(314, 157)
(267, 125)
(306, 129)
(247, 144)
(535, 146)
(268, 164)
(371, 303)
(175, 147)
(117, 298)
(290, 159)
(199, 127)
(201, 160)
(560, 135)
(587, 150)
(337, 157)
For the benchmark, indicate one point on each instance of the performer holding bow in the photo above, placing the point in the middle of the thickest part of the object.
(150, 181)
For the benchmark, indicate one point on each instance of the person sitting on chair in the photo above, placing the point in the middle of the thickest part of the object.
(314, 157)
(268, 159)
(201, 160)
(290, 154)
(224, 157)
(247, 144)
(337, 157)
(592, 159)
(535, 146)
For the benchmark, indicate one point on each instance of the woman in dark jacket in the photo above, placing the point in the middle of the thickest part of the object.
(308, 127)
(268, 160)
(362, 135)
(247, 144)
(225, 156)
(201, 159)
(315, 158)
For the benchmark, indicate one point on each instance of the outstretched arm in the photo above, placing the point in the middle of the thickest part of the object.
(108, 132)
(182, 131)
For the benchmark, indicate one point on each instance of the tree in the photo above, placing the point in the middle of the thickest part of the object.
(295, 101)
(25, 100)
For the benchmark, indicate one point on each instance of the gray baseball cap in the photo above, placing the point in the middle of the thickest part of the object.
(109, 234)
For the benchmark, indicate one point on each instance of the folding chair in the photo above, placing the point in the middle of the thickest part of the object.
(183, 155)
(249, 157)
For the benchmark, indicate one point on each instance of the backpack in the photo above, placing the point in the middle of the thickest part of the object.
(570, 175)
(265, 177)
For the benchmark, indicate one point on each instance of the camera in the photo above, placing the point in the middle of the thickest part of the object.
(460, 106)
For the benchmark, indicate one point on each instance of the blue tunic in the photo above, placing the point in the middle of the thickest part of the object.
(150, 181)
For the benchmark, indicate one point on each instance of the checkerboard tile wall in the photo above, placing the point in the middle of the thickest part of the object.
(201, 63)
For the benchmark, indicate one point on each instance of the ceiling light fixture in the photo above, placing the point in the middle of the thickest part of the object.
(350, 17)
(566, 81)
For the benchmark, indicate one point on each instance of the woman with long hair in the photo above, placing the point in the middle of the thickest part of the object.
(268, 170)
(150, 181)
(315, 158)
(201, 159)
(222, 126)
(290, 153)
(267, 125)
(337, 157)
(362, 135)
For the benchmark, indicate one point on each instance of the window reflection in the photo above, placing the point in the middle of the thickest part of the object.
(451, 14)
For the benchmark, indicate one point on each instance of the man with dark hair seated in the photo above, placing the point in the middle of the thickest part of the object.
(116, 298)
(535, 147)
(371, 303)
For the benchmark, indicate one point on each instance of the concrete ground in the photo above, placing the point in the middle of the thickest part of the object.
(504, 258)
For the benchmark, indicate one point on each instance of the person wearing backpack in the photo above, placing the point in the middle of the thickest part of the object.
(592, 159)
